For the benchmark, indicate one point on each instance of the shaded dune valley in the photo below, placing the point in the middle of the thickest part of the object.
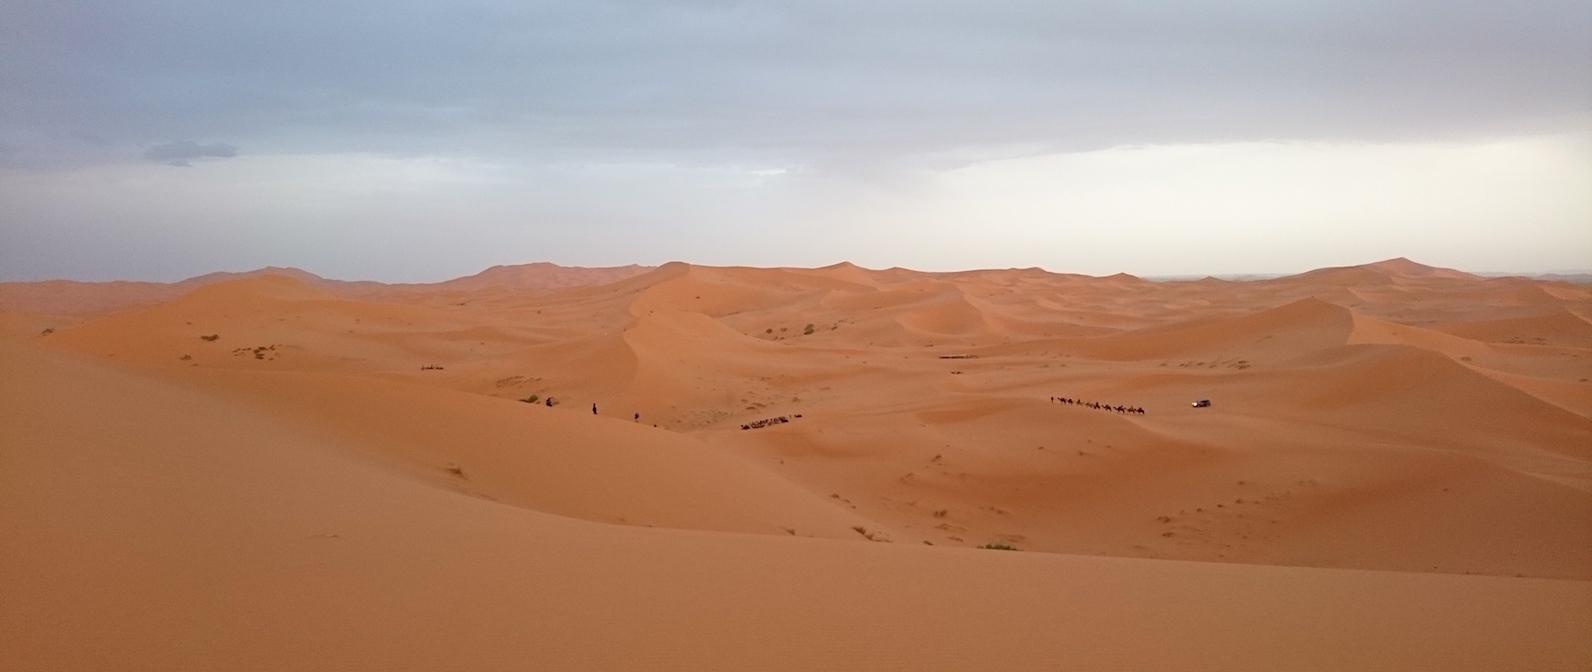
(686, 467)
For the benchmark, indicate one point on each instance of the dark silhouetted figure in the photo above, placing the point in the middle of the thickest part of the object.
(638, 416)
(594, 408)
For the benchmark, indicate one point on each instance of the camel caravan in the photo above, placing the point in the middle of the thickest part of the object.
(767, 422)
(1125, 410)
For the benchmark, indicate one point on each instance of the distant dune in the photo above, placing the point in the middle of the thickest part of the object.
(272, 470)
(69, 297)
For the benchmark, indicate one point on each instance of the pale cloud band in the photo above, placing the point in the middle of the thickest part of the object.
(611, 132)
(183, 152)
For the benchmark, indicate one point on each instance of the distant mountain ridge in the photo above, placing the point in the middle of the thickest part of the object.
(70, 297)
(544, 275)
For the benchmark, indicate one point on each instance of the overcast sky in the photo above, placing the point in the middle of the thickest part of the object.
(400, 140)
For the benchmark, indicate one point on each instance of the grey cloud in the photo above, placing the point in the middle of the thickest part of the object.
(836, 82)
(183, 152)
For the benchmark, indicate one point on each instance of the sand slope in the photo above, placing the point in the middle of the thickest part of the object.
(170, 529)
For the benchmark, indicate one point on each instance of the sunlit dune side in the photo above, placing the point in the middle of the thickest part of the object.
(539, 276)
(210, 523)
(1558, 326)
(739, 465)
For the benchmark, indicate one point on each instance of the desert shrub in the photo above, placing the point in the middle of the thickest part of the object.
(808, 330)
(210, 337)
(47, 331)
(532, 399)
(998, 546)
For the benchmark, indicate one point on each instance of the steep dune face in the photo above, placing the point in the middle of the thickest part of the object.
(847, 272)
(1523, 292)
(1370, 330)
(1558, 327)
(1356, 276)
(696, 371)
(1382, 273)
(1431, 396)
(1401, 266)
(722, 292)
(541, 276)
(555, 460)
(1301, 326)
(948, 314)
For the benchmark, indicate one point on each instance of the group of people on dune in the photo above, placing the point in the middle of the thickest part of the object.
(765, 422)
(1129, 410)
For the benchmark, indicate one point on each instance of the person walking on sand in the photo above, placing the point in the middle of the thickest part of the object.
(638, 416)
(594, 408)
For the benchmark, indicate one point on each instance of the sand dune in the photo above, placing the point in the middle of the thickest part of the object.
(1554, 327)
(1395, 472)
(1388, 272)
(540, 276)
(170, 511)
(1300, 326)
(69, 298)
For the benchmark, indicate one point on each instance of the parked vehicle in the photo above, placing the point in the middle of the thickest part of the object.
(1202, 403)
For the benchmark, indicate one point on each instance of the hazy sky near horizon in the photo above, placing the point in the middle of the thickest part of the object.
(409, 141)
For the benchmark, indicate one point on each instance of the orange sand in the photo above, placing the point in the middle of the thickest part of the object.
(1396, 472)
